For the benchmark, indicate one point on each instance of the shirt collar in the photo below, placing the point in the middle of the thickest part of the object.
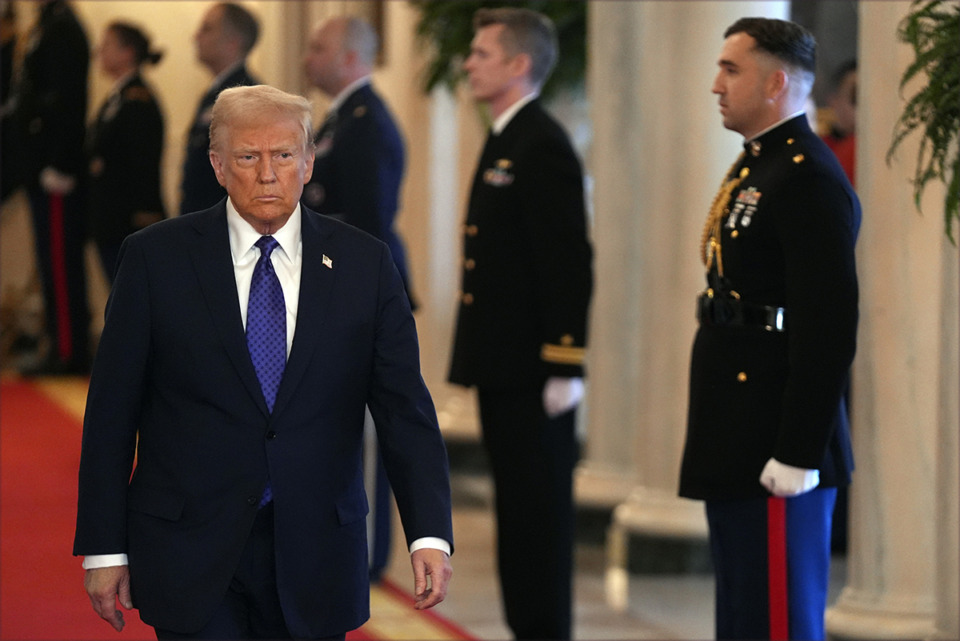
(243, 235)
(346, 93)
(223, 75)
(774, 126)
(504, 119)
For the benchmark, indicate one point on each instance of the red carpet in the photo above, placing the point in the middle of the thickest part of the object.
(41, 583)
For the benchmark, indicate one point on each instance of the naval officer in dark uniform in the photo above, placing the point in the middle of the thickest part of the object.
(522, 323)
(767, 437)
(225, 37)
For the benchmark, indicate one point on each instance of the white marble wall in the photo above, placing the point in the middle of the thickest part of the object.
(659, 154)
(902, 569)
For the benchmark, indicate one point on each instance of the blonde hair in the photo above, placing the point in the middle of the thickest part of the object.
(252, 105)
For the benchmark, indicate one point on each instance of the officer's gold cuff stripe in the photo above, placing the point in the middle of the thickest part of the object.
(563, 355)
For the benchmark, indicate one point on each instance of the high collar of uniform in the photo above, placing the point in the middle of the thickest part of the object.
(777, 137)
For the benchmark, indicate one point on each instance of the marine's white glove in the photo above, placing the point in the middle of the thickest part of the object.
(561, 394)
(55, 182)
(786, 480)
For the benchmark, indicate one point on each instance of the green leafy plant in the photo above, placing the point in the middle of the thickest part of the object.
(932, 28)
(447, 26)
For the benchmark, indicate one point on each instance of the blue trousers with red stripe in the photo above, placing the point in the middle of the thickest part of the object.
(59, 227)
(772, 563)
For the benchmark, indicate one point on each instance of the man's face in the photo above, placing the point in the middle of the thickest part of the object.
(263, 167)
(742, 84)
(211, 36)
(490, 70)
(324, 57)
(844, 105)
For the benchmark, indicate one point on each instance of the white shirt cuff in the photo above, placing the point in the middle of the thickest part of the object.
(431, 542)
(97, 561)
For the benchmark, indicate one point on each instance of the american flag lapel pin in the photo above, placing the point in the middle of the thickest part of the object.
(327, 262)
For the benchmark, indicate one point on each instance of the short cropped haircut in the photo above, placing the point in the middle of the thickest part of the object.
(786, 41)
(242, 23)
(359, 36)
(525, 31)
(243, 106)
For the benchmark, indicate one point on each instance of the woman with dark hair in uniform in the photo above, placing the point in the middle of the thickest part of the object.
(125, 145)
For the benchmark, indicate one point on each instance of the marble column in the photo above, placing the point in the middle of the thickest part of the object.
(658, 155)
(902, 564)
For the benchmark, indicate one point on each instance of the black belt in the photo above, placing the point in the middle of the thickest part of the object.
(725, 311)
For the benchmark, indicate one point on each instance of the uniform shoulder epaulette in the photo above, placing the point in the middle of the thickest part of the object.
(137, 94)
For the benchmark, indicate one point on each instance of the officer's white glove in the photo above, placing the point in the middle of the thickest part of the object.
(55, 182)
(786, 480)
(561, 394)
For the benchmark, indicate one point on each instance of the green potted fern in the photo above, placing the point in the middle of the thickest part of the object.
(932, 29)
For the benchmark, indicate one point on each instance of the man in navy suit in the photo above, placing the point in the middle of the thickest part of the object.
(356, 178)
(244, 515)
(224, 39)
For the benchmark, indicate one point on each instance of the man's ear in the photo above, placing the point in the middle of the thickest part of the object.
(778, 82)
(217, 164)
(520, 65)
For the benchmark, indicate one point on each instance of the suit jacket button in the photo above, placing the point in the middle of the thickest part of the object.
(271, 435)
(252, 500)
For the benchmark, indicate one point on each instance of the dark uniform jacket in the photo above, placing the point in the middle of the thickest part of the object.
(125, 145)
(174, 384)
(788, 241)
(51, 107)
(200, 188)
(359, 168)
(527, 271)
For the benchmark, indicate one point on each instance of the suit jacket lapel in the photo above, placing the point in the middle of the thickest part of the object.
(317, 278)
(214, 266)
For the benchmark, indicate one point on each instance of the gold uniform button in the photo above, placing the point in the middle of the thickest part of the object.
(566, 340)
(734, 233)
(469, 264)
(742, 377)
(472, 230)
(468, 299)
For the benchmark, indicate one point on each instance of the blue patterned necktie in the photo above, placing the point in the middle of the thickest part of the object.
(267, 330)
(267, 323)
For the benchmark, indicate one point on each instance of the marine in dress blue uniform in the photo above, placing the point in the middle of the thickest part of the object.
(521, 329)
(50, 115)
(767, 435)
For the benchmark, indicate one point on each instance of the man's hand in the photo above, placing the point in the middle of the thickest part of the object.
(431, 574)
(785, 480)
(104, 586)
